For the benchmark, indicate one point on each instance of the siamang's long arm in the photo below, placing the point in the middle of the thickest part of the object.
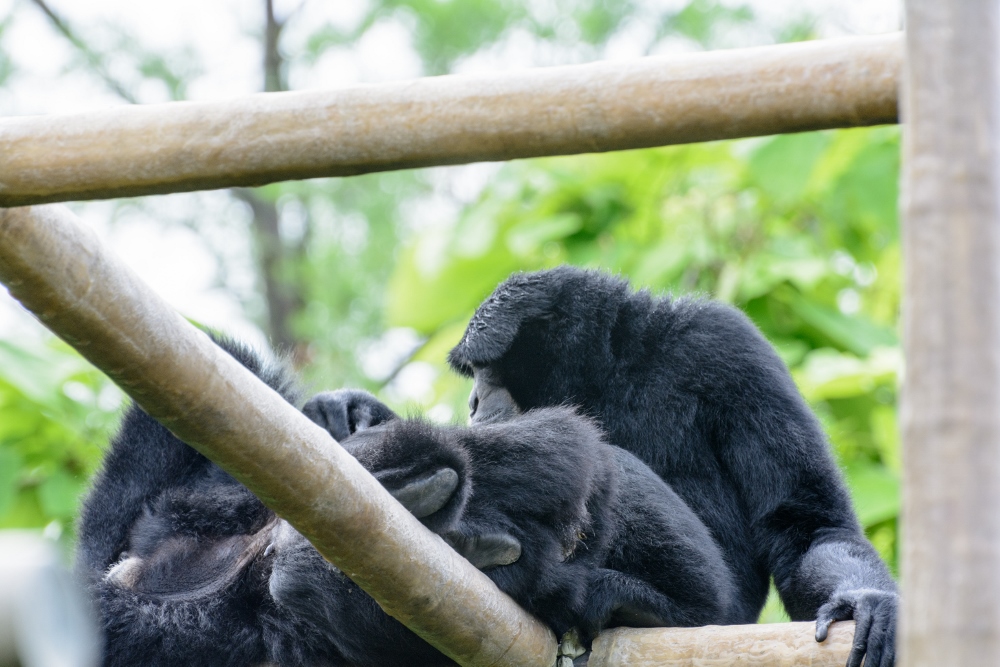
(777, 456)
(144, 460)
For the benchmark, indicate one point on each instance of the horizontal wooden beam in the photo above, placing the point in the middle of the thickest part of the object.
(771, 645)
(57, 269)
(608, 106)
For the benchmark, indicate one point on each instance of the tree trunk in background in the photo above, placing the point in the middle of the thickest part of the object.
(275, 259)
(282, 296)
(951, 396)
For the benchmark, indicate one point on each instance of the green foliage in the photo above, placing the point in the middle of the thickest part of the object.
(445, 31)
(798, 230)
(6, 64)
(56, 414)
(702, 20)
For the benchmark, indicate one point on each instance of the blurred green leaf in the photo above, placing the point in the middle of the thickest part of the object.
(59, 494)
(855, 333)
(876, 492)
(530, 235)
(783, 166)
(10, 470)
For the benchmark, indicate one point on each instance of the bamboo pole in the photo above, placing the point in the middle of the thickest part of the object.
(655, 101)
(951, 323)
(57, 269)
(774, 645)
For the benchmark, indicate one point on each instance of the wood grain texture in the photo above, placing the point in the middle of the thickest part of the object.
(58, 270)
(771, 645)
(950, 410)
(606, 106)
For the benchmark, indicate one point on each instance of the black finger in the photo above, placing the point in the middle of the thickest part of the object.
(877, 638)
(863, 622)
(488, 550)
(366, 411)
(329, 412)
(428, 494)
(889, 656)
(881, 639)
(830, 612)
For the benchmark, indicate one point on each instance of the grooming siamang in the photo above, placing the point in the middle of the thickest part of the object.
(187, 567)
(693, 389)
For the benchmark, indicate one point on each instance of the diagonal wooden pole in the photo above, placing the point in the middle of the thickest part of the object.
(950, 412)
(58, 270)
(655, 101)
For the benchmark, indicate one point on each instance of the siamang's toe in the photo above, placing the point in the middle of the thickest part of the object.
(345, 411)
(427, 495)
(485, 551)
(329, 411)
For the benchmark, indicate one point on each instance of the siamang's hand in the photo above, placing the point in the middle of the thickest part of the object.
(345, 411)
(874, 613)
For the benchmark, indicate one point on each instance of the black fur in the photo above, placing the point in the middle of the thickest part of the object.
(189, 568)
(182, 560)
(692, 388)
(603, 540)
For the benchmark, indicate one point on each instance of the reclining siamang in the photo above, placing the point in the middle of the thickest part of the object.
(187, 567)
(693, 389)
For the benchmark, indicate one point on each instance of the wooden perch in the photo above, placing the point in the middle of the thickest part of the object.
(57, 269)
(776, 645)
(142, 150)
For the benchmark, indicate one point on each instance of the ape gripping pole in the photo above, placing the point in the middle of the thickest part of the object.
(57, 268)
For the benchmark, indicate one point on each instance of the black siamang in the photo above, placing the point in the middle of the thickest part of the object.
(187, 567)
(693, 389)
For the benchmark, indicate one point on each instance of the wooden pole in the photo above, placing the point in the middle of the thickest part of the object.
(57, 269)
(772, 645)
(951, 324)
(656, 101)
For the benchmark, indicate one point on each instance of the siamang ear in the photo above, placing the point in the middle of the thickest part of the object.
(520, 299)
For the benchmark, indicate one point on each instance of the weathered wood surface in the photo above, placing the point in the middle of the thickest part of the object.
(950, 412)
(770, 645)
(57, 269)
(608, 106)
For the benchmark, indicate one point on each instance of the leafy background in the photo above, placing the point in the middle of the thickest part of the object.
(368, 281)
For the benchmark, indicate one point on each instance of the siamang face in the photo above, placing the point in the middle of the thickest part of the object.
(490, 401)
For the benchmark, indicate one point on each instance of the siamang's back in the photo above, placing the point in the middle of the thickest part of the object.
(688, 385)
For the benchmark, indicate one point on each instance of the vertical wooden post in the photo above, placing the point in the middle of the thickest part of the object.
(951, 396)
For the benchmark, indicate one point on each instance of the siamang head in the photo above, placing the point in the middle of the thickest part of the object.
(541, 339)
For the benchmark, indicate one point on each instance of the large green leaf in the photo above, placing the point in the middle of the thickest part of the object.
(783, 166)
(10, 472)
(876, 492)
(855, 333)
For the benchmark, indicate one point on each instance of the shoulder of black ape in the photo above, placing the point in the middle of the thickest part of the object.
(274, 372)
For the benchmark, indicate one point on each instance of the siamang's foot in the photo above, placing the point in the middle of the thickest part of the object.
(486, 550)
(426, 495)
(345, 411)
(874, 613)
